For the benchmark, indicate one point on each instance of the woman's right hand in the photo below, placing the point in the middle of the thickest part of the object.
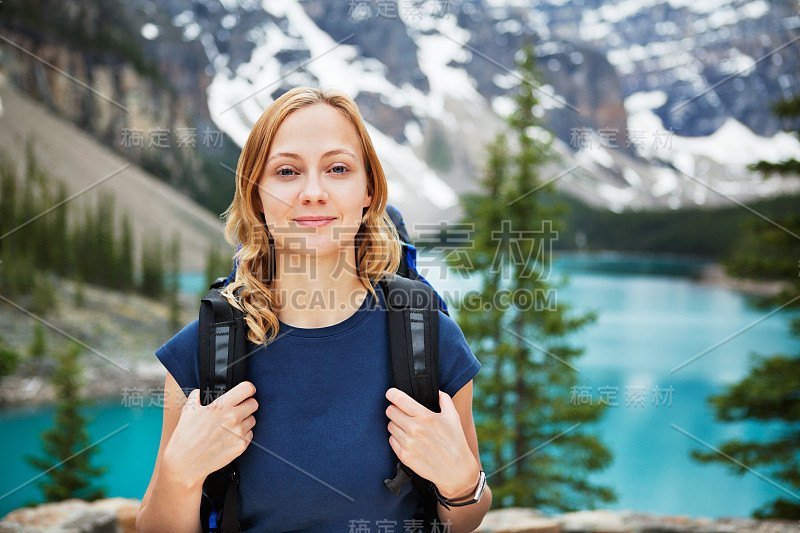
(209, 437)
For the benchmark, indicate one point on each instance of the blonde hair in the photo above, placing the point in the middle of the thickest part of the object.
(378, 253)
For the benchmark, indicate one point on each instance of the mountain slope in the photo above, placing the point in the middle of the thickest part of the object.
(67, 153)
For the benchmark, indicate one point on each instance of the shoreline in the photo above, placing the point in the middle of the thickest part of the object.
(703, 270)
(714, 275)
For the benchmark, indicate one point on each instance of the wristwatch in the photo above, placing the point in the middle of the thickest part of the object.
(446, 503)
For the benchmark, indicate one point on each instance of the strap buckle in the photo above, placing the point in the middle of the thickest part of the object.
(401, 476)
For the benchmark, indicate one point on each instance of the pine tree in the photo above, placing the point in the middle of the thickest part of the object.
(8, 207)
(105, 246)
(537, 454)
(38, 346)
(173, 289)
(787, 109)
(68, 241)
(152, 283)
(79, 296)
(126, 265)
(217, 264)
(9, 359)
(59, 241)
(44, 293)
(66, 445)
(769, 392)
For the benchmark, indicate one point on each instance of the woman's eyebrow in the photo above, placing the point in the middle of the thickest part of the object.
(292, 155)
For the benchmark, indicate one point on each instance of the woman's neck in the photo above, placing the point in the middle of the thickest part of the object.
(317, 291)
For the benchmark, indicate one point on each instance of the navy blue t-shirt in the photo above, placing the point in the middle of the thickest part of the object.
(320, 448)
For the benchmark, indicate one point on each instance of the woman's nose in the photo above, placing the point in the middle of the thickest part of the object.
(313, 189)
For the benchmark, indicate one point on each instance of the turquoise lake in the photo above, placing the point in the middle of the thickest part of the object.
(653, 317)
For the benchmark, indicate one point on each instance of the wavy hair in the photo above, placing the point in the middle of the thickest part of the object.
(377, 242)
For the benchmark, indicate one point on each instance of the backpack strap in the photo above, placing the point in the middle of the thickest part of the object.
(413, 315)
(222, 346)
(222, 353)
(413, 320)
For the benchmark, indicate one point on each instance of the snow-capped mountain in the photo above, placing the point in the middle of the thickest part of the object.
(654, 103)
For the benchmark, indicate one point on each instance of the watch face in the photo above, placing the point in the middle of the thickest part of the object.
(481, 486)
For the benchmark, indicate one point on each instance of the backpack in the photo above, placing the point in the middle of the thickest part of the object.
(412, 307)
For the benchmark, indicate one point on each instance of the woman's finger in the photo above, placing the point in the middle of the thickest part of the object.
(246, 408)
(395, 430)
(236, 395)
(396, 415)
(404, 402)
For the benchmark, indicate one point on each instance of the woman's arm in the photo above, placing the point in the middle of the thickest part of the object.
(170, 502)
(196, 440)
(441, 447)
(469, 517)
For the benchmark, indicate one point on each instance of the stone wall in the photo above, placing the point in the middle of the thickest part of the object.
(118, 515)
(112, 515)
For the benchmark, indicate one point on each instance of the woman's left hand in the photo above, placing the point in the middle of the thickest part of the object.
(432, 444)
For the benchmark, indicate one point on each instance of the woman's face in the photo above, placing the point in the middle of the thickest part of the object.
(314, 184)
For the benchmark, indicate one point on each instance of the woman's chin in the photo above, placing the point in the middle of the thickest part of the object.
(315, 247)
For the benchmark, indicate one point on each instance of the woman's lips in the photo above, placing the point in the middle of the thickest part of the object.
(314, 221)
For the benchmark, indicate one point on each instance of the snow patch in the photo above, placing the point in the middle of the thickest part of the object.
(616, 197)
(595, 153)
(666, 181)
(229, 21)
(632, 177)
(595, 32)
(548, 98)
(502, 105)
(413, 133)
(435, 53)
(149, 31)
(619, 11)
(539, 134)
(645, 100)
(706, 6)
(505, 80)
(723, 17)
(416, 175)
(733, 145)
(738, 64)
(512, 26)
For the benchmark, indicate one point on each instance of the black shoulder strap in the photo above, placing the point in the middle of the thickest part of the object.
(413, 319)
(413, 315)
(222, 365)
(222, 346)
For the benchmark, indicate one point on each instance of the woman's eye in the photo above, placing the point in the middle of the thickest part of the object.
(342, 168)
(285, 171)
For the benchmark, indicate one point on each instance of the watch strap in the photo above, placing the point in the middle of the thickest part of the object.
(476, 497)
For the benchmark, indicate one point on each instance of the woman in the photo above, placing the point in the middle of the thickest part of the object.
(317, 426)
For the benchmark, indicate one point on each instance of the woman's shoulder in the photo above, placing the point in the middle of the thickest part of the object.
(457, 364)
(179, 355)
(449, 327)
